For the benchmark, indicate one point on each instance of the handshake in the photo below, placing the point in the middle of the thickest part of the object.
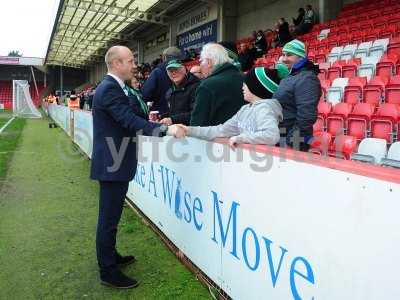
(178, 130)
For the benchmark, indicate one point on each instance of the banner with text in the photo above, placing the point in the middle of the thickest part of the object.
(263, 228)
(198, 37)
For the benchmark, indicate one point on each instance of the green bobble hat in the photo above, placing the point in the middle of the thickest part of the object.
(295, 47)
(262, 82)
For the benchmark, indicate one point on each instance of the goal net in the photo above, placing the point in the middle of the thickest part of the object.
(22, 101)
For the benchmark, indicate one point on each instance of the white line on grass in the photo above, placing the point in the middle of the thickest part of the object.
(5, 125)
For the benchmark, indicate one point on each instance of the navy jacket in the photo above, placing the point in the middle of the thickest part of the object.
(155, 87)
(114, 127)
(299, 95)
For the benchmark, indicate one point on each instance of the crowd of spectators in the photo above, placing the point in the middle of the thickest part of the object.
(210, 97)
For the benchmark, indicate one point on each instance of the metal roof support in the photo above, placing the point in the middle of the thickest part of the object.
(117, 11)
(84, 29)
(90, 21)
(115, 17)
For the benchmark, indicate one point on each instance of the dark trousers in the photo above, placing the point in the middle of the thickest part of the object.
(112, 196)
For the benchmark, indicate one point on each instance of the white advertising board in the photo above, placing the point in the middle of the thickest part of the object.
(294, 231)
(61, 115)
(264, 227)
(83, 131)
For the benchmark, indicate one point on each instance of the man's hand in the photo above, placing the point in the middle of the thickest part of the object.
(166, 121)
(177, 131)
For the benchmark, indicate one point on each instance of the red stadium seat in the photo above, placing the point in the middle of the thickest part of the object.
(373, 91)
(343, 146)
(366, 25)
(384, 124)
(324, 109)
(392, 91)
(353, 90)
(325, 85)
(388, 32)
(320, 143)
(323, 68)
(320, 56)
(358, 37)
(336, 121)
(322, 45)
(349, 70)
(371, 35)
(386, 66)
(394, 46)
(311, 55)
(358, 120)
(335, 71)
(332, 42)
(319, 125)
(344, 40)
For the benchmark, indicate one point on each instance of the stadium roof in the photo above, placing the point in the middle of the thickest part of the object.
(83, 29)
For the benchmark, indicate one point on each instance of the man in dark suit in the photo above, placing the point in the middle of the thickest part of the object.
(114, 159)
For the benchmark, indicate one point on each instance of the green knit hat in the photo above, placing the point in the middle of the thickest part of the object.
(262, 82)
(295, 47)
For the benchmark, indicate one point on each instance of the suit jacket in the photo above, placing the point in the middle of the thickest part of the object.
(114, 126)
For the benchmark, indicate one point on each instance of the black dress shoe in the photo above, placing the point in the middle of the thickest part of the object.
(125, 260)
(118, 280)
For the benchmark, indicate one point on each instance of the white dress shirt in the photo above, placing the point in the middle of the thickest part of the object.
(120, 82)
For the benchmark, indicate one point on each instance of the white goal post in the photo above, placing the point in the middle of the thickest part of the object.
(22, 101)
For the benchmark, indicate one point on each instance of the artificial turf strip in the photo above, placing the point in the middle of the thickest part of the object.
(48, 215)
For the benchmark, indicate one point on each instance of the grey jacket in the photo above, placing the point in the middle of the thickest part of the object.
(254, 123)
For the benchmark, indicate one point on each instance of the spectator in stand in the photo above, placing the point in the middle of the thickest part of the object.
(299, 95)
(196, 71)
(181, 95)
(158, 83)
(233, 54)
(136, 99)
(256, 122)
(135, 83)
(246, 57)
(309, 21)
(300, 18)
(260, 43)
(284, 35)
(219, 96)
